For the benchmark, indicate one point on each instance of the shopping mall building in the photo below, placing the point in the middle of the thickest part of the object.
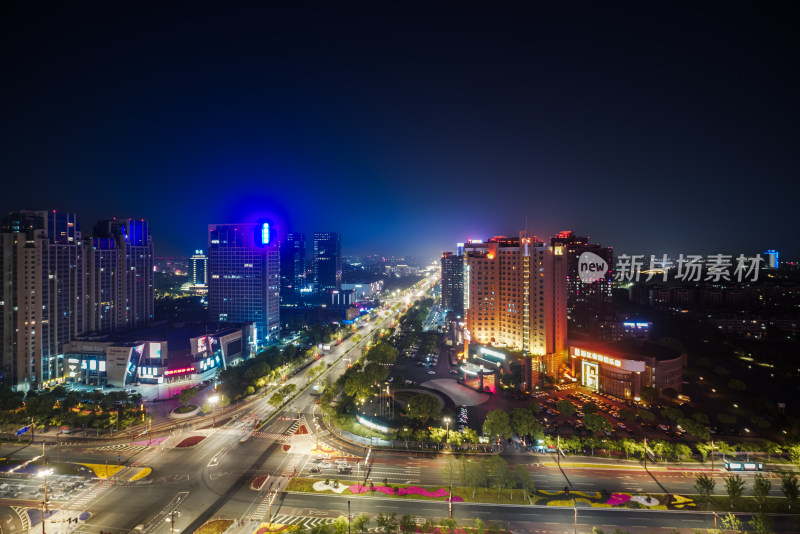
(623, 368)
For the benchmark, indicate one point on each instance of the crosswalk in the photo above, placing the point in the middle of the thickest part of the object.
(302, 522)
(126, 447)
(82, 500)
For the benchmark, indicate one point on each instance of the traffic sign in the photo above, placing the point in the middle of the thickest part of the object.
(23, 430)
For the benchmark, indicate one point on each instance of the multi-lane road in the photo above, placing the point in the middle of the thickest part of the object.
(213, 478)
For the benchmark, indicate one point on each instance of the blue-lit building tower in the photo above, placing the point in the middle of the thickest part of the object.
(244, 276)
(293, 265)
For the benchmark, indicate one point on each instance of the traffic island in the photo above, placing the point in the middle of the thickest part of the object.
(267, 528)
(190, 442)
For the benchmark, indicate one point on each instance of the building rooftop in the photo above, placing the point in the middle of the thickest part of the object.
(628, 348)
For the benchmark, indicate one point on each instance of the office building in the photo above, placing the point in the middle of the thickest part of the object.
(515, 297)
(198, 273)
(122, 287)
(244, 276)
(771, 259)
(588, 303)
(623, 368)
(453, 284)
(327, 262)
(293, 265)
(42, 298)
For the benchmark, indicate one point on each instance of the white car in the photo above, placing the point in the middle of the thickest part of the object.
(431, 372)
(325, 465)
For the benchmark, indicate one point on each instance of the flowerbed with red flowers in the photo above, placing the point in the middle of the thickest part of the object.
(410, 490)
(191, 442)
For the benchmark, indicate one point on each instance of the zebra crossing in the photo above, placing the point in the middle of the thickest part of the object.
(83, 499)
(126, 447)
(23, 517)
(302, 522)
(261, 512)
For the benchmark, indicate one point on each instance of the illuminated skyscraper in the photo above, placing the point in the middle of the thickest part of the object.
(42, 298)
(515, 297)
(244, 276)
(771, 259)
(199, 269)
(293, 265)
(587, 303)
(327, 262)
(453, 283)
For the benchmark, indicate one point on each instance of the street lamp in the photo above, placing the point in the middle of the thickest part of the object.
(171, 520)
(213, 399)
(447, 422)
(43, 473)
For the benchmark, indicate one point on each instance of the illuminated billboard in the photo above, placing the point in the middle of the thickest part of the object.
(155, 350)
(202, 344)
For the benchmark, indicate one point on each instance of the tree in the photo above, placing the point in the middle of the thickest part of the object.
(761, 487)
(704, 486)
(590, 408)
(672, 413)
(790, 487)
(524, 480)
(360, 523)
(276, 399)
(387, 522)
(187, 394)
(647, 416)
(627, 415)
(382, 353)
(497, 469)
(523, 422)
(566, 408)
(761, 523)
(423, 407)
(759, 422)
(595, 423)
(376, 372)
(734, 485)
(359, 386)
(681, 451)
(700, 418)
(407, 524)
(630, 447)
(670, 393)
(649, 394)
(340, 524)
(497, 424)
(731, 522)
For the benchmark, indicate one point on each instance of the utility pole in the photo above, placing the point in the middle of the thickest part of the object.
(348, 517)
(645, 453)
(712, 470)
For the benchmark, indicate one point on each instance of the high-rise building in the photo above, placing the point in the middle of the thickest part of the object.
(198, 272)
(244, 276)
(588, 303)
(327, 262)
(771, 259)
(135, 281)
(453, 283)
(515, 297)
(42, 299)
(293, 265)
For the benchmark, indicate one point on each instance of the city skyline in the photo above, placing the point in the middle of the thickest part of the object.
(650, 129)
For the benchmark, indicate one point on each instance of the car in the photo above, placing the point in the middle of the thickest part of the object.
(453, 372)
(325, 465)
(315, 470)
(431, 372)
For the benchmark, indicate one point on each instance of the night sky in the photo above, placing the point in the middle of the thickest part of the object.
(649, 126)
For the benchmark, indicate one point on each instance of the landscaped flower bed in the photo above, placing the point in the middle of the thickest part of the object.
(267, 528)
(103, 470)
(410, 490)
(258, 482)
(217, 526)
(190, 442)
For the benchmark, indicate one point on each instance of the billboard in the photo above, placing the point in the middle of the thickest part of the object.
(155, 350)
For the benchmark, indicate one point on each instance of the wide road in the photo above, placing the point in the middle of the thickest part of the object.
(199, 481)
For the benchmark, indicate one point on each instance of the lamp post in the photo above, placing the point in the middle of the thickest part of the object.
(213, 399)
(171, 520)
(447, 434)
(43, 473)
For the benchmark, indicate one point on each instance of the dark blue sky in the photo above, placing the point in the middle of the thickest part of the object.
(652, 128)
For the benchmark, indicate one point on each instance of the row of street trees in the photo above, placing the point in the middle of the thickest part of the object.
(735, 486)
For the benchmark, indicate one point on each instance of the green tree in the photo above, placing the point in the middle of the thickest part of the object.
(523, 480)
(672, 413)
(387, 523)
(497, 424)
(734, 485)
(340, 524)
(627, 415)
(360, 524)
(790, 487)
(759, 422)
(590, 408)
(566, 408)
(595, 423)
(647, 416)
(700, 418)
(731, 522)
(423, 407)
(704, 486)
(681, 451)
(722, 371)
(407, 524)
(382, 353)
(276, 399)
(359, 386)
(761, 523)
(761, 487)
(187, 394)
(523, 422)
(630, 447)
(649, 394)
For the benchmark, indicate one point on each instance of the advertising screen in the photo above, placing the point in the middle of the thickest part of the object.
(155, 350)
